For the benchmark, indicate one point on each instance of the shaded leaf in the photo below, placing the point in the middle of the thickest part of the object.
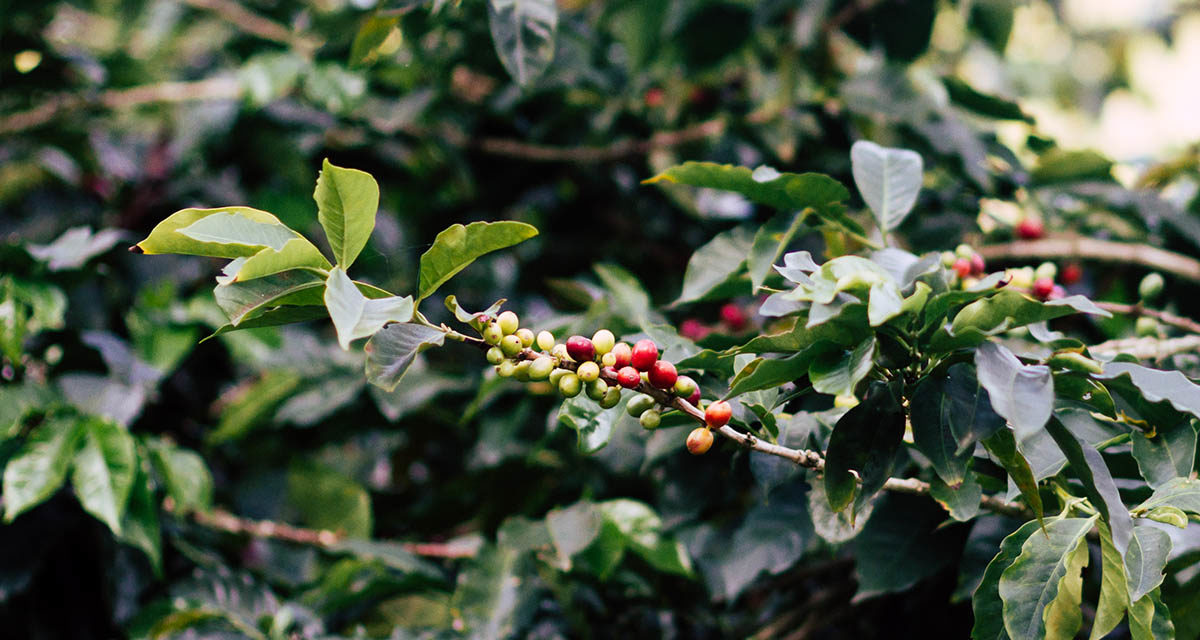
(901, 545)
(864, 440)
(354, 316)
(457, 246)
(720, 260)
(770, 241)
(888, 179)
(1032, 582)
(837, 372)
(347, 200)
(186, 477)
(986, 603)
(1158, 386)
(392, 350)
(1114, 593)
(949, 413)
(40, 466)
(1003, 446)
(103, 470)
(1022, 394)
(523, 32)
(74, 247)
(1145, 560)
(1169, 454)
(1098, 484)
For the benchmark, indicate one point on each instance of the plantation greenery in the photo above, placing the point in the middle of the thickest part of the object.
(691, 319)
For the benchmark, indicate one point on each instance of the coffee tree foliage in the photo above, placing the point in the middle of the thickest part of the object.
(792, 201)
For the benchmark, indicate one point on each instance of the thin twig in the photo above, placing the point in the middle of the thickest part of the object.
(267, 29)
(605, 153)
(1165, 317)
(1148, 348)
(1079, 247)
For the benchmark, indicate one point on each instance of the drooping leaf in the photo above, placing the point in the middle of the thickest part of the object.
(986, 603)
(391, 351)
(1062, 615)
(1150, 619)
(354, 316)
(1032, 582)
(40, 466)
(1169, 454)
(961, 501)
(225, 232)
(949, 413)
(770, 241)
(523, 33)
(719, 261)
(347, 200)
(901, 545)
(1003, 446)
(1098, 484)
(1114, 590)
(837, 372)
(103, 470)
(1145, 559)
(970, 98)
(1021, 394)
(457, 246)
(888, 179)
(865, 440)
(1158, 386)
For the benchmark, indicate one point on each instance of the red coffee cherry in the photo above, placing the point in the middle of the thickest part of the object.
(644, 354)
(717, 414)
(623, 355)
(629, 378)
(1071, 273)
(1042, 288)
(699, 441)
(733, 317)
(663, 375)
(580, 349)
(654, 97)
(1030, 229)
(977, 264)
(962, 267)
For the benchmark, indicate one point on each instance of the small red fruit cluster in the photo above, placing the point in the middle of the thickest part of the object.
(1030, 228)
(966, 263)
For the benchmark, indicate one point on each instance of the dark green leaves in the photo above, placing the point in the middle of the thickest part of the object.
(523, 32)
(1158, 386)
(391, 351)
(595, 536)
(986, 602)
(1145, 559)
(1098, 484)
(1022, 394)
(720, 261)
(40, 467)
(1169, 454)
(865, 440)
(888, 179)
(949, 413)
(347, 200)
(459, 246)
(1045, 571)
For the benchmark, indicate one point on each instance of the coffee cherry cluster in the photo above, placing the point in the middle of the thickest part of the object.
(1039, 282)
(966, 263)
(600, 367)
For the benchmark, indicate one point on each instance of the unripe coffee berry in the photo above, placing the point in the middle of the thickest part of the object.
(588, 371)
(699, 441)
(511, 345)
(492, 334)
(1150, 287)
(643, 355)
(506, 369)
(612, 398)
(608, 359)
(717, 414)
(580, 349)
(526, 337)
(1146, 327)
(522, 372)
(596, 390)
(663, 375)
(509, 322)
(684, 386)
(570, 385)
(541, 368)
(557, 375)
(629, 378)
(495, 355)
(623, 354)
(964, 250)
(650, 419)
(604, 341)
(1045, 270)
(639, 404)
(545, 340)
(1042, 288)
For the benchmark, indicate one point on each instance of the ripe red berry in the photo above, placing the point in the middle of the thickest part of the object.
(717, 414)
(733, 317)
(1030, 229)
(693, 329)
(1071, 273)
(629, 378)
(663, 375)
(1042, 288)
(1057, 293)
(580, 349)
(977, 264)
(654, 97)
(644, 354)
(694, 399)
(962, 267)
(623, 355)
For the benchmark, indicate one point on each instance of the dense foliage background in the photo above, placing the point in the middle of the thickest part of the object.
(276, 494)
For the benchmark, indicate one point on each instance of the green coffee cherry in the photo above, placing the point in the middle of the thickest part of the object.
(650, 419)
(569, 385)
(612, 398)
(1150, 287)
(1146, 327)
(522, 372)
(495, 355)
(588, 371)
(603, 341)
(526, 337)
(684, 386)
(541, 368)
(1047, 270)
(640, 404)
(557, 375)
(511, 345)
(948, 259)
(545, 340)
(509, 322)
(596, 390)
(964, 251)
(492, 334)
(609, 359)
(507, 369)
(560, 351)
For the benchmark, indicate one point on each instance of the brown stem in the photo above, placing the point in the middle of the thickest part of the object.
(1187, 324)
(1148, 348)
(1066, 247)
(236, 14)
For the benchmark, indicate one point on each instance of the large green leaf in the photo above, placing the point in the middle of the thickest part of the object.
(865, 440)
(140, 527)
(888, 179)
(585, 538)
(242, 301)
(295, 254)
(838, 371)
(1145, 559)
(103, 471)
(328, 499)
(523, 33)
(40, 466)
(642, 529)
(1114, 590)
(1149, 619)
(1169, 454)
(347, 200)
(767, 373)
(986, 602)
(802, 192)
(770, 241)
(1021, 394)
(1181, 493)
(1158, 386)
(226, 232)
(902, 544)
(949, 413)
(458, 246)
(593, 424)
(252, 405)
(719, 261)
(354, 316)
(392, 350)
(1032, 583)
(1098, 484)
(1003, 446)
(186, 477)
(487, 595)
(1005, 310)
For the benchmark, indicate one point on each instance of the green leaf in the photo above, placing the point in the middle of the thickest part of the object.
(719, 261)
(354, 316)
(586, 539)
(347, 200)
(1003, 446)
(1149, 619)
(1114, 593)
(949, 413)
(295, 254)
(140, 527)
(1058, 166)
(770, 241)
(466, 317)
(986, 603)
(960, 501)
(888, 179)
(901, 545)
(486, 599)
(458, 246)
(376, 35)
(327, 499)
(391, 554)
(1158, 386)
(1062, 616)
(391, 351)
(767, 373)
(74, 247)
(1032, 582)
(1021, 394)
(837, 372)
(847, 329)
(226, 232)
(1098, 484)
(40, 466)
(1145, 560)
(1168, 455)
(884, 303)
(642, 529)
(103, 470)
(252, 405)
(970, 98)
(523, 33)
(1004, 310)
(242, 301)
(186, 477)
(1181, 493)
(803, 192)
(865, 440)
(593, 424)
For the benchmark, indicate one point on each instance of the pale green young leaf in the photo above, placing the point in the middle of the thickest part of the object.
(1032, 582)
(347, 200)
(888, 179)
(225, 232)
(523, 32)
(354, 316)
(1114, 594)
